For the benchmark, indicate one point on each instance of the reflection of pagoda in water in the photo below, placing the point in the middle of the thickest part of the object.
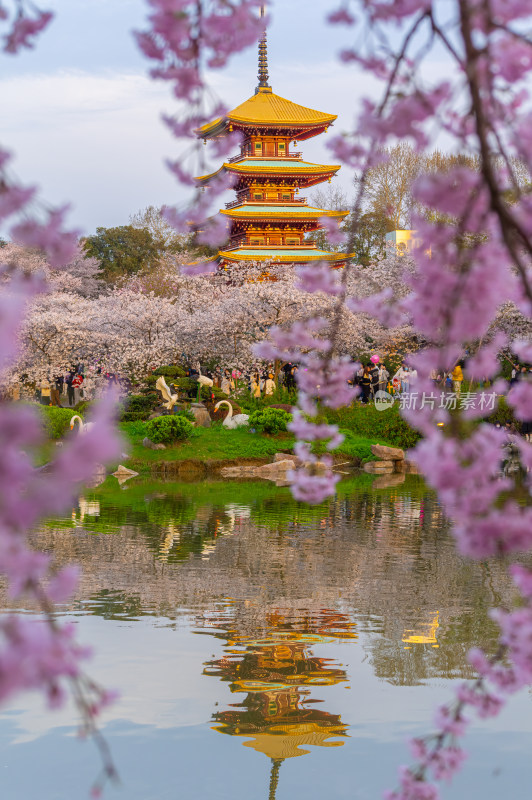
(423, 633)
(275, 673)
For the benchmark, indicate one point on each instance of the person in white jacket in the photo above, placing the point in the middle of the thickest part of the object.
(269, 385)
(402, 375)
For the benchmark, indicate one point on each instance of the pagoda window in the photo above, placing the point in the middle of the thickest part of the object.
(258, 195)
(286, 196)
(258, 147)
(290, 240)
(256, 239)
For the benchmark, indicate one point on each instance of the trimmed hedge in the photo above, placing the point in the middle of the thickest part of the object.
(269, 420)
(138, 406)
(170, 371)
(140, 402)
(133, 416)
(165, 430)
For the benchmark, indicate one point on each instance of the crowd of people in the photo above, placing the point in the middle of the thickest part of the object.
(260, 381)
(69, 389)
(374, 377)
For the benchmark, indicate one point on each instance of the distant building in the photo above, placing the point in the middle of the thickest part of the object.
(401, 242)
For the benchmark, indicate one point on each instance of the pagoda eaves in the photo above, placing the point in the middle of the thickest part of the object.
(301, 173)
(268, 110)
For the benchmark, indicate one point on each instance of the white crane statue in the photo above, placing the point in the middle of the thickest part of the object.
(238, 421)
(163, 388)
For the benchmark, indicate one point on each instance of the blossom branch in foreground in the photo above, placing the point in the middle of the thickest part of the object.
(41, 653)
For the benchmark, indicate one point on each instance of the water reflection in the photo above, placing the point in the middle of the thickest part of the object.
(424, 633)
(365, 591)
(384, 556)
(279, 716)
(85, 508)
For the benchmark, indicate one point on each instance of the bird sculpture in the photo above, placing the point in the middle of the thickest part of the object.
(169, 399)
(203, 381)
(238, 421)
(83, 427)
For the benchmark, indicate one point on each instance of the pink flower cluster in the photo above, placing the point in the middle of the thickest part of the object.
(39, 653)
(24, 27)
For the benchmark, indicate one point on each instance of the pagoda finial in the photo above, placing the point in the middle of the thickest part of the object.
(263, 57)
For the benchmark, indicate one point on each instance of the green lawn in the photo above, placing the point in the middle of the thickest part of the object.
(209, 444)
(218, 443)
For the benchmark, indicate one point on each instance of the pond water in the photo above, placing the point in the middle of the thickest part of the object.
(264, 649)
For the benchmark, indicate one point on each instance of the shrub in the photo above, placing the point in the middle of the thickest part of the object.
(368, 422)
(503, 413)
(82, 407)
(170, 372)
(138, 406)
(132, 416)
(186, 414)
(189, 387)
(56, 420)
(165, 430)
(269, 420)
(139, 402)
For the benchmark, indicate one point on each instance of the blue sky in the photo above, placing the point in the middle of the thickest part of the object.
(84, 120)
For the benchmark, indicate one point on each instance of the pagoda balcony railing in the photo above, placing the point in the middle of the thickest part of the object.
(268, 202)
(242, 240)
(266, 158)
(236, 242)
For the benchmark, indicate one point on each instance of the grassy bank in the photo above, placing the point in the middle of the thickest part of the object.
(361, 427)
(219, 444)
(207, 444)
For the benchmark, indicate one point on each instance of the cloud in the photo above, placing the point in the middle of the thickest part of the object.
(96, 140)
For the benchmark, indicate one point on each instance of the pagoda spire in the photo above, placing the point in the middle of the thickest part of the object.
(274, 777)
(263, 57)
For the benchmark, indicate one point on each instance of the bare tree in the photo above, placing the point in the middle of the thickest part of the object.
(331, 198)
(389, 185)
(162, 232)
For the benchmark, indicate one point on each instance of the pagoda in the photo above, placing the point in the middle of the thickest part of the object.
(268, 221)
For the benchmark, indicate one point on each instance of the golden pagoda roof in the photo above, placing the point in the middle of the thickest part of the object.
(280, 211)
(284, 741)
(261, 166)
(268, 109)
(285, 255)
